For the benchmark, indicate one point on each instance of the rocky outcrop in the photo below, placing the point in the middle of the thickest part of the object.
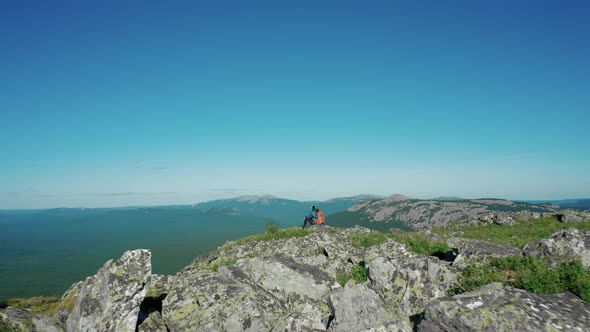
(505, 309)
(426, 214)
(562, 246)
(474, 252)
(110, 300)
(409, 282)
(571, 216)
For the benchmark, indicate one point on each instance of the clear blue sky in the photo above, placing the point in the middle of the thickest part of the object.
(111, 104)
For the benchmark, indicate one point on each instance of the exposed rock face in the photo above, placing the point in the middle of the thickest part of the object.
(359, 308)
(43, 323)
(16, 316)
(109, 300)
(426, 214)
(562, 246)
(498, 308)
(410, 282)
(473, 252)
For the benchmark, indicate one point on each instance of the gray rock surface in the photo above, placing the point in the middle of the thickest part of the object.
(562, 246)
(571, 216)
(357, 307)
(17, 317)
(153, 323)
(409, 282)
(504, 309)
(426, 214)
(109, 300)
(473, 252)
(43, 323)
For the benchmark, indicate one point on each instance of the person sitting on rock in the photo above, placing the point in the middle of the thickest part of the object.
(311, 218)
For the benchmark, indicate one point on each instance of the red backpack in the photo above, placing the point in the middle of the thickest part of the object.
(321, 218)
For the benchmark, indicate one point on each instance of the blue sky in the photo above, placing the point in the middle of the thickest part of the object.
(183, 101)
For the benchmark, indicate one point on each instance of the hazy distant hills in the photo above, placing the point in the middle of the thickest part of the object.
(575, 203)
(285, 211)
(403, 212)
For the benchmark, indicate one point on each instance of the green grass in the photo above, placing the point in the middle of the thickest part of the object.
(418, 242)
(225, 262)
(43, 305)
(280, 234)
(532, 274)
(517, 235)
(421, 244)
(358, 274)
(368, 240)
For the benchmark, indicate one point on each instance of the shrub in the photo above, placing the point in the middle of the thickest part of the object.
(272, 227)
(359, 274)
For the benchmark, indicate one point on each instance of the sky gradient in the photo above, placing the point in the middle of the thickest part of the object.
(142, 104)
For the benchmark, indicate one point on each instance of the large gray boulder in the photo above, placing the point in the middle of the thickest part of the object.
(562, 246)
(409, 282)
(110, 300)
(496, 308)
(474, 252)
(357, 307)
(208, 301)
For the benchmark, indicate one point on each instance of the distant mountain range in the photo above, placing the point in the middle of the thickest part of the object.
(286, 211)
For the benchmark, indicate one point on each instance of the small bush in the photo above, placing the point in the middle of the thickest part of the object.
(225, 262)
(272, 227)
(359, 274)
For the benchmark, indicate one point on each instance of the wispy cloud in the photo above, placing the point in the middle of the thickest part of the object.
(11, 193)
(113, 194)
(159, 168)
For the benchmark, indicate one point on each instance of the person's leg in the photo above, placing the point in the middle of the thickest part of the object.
(305, 221)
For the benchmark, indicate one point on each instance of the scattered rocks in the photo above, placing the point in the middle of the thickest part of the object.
(562, 246)
(571, 216)
(109, 300)
(497, 308)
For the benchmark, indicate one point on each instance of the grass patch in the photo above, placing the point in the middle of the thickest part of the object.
(280, 234)
(368, 240)
(224, 262)
(532, 274)
(42, 305)
(421, 244)
(517, 235)
(358, 274)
